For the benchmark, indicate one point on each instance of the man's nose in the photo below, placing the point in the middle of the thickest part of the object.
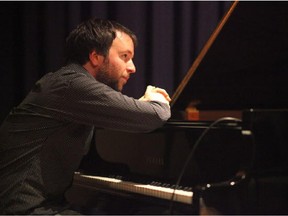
(131, 67)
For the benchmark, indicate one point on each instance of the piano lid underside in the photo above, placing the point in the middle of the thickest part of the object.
(246, 66)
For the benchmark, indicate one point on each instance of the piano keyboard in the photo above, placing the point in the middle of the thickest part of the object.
(179, 195)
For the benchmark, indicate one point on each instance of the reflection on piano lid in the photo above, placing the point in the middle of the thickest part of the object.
(243, 65)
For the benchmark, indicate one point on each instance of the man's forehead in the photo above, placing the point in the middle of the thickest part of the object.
(123, 38)
(120, 34)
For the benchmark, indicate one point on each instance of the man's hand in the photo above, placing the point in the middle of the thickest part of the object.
(153, 93)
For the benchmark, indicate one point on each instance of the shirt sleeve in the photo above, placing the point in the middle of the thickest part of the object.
(87, 101)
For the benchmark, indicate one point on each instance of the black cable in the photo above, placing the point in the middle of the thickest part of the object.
(192, 152)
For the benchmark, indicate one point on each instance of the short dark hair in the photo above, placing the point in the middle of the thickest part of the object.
(93, 34)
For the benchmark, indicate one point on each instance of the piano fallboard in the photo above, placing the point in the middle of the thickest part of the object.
(160, 155)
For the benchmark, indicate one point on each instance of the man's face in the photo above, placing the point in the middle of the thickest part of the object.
(118, 65)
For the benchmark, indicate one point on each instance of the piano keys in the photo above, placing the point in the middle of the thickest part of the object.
(153, 189)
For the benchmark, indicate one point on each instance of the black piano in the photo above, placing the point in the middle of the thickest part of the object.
(225, 148)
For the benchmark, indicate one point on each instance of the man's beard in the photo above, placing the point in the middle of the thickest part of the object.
(104, 77)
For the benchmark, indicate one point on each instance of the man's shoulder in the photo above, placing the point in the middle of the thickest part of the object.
(71, 70)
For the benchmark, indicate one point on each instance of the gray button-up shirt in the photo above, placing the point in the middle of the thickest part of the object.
(42, 141)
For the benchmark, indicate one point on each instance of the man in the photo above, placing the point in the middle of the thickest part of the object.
(43, 140)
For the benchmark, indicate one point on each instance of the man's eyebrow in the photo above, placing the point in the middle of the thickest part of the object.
(127, 50)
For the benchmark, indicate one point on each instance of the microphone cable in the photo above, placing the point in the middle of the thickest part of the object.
(192, 153)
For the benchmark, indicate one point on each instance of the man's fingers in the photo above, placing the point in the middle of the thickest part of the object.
(152, 92)
(163, 92)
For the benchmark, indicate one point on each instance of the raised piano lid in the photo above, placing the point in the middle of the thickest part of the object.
(243, 65)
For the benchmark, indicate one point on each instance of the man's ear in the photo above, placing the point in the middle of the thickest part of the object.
(95, 58)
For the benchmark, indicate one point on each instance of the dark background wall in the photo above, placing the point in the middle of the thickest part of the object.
(170, 34)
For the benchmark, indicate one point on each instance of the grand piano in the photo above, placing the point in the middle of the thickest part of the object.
(225, 148)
